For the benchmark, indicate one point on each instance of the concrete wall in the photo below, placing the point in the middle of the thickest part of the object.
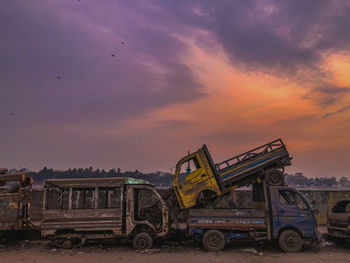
(321, 200)
(324, 200)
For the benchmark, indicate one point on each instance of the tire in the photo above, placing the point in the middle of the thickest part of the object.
(67, 244)
(274, 177)
(142, 241)
(290, 241)
(213, 240)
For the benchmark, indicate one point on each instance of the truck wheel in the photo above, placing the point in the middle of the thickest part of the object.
(213, 240)
(274, 177)
(67, 244)
(290, 241)
(142, 241)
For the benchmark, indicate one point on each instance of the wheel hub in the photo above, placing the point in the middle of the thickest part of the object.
(142, 243)
(291, 242)
(214, 241)
(275, 178)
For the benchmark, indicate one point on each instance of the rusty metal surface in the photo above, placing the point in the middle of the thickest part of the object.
(86, 182)
(232, 219)
(3, 170)
(15, 194)
(138, 216)
(74, 206)
(83, 220)
(92, 182)
(323, 200)
(338, 220)
(246, 213)
(100, 208)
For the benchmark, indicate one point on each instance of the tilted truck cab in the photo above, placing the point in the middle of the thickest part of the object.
(76, 210)
(201, 180)
(205, 179)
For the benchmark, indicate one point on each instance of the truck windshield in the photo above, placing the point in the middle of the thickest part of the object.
(148, 207)
(290, 198)
(188, 167)
(342, 207)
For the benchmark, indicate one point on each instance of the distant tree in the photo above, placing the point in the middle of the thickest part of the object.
(343, 182)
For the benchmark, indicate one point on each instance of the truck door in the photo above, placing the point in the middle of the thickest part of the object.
(292, 210)
(192, 178)
(146, 207)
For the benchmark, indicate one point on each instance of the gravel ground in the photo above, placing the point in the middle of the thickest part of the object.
(40, 251)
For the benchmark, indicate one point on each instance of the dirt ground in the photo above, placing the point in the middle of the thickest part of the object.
(41, 251)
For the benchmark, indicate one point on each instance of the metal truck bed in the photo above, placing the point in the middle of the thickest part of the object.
(15, 194)
(233, 171)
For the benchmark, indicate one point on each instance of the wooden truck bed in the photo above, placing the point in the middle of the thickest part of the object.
(232, 219)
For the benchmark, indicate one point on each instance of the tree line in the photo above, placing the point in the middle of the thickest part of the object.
(157, 178)
(161, 179)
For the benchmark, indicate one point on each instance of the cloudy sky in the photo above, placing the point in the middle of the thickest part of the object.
(136, 84)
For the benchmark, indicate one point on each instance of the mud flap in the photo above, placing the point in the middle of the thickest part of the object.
(318, 235)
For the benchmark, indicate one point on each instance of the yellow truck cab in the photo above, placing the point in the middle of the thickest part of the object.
(198, 180)
(200, 177)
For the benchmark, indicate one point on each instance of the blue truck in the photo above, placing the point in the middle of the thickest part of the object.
(278, 214)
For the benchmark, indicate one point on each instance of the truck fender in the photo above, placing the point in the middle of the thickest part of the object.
(289, 228)
(143, 228)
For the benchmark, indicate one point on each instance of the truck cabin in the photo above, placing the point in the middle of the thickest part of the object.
(15, 194)
(106, 207)
(339, 220)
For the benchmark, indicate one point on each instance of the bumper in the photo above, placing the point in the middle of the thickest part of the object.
(339, 232)
(315, 240)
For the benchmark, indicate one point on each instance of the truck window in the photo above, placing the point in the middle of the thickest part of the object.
(53, 199)
(148, 207)
(347, 208)
(342, 207)
(65, 198)
(187, 168)
(83, 198)
(109, 198)
(287, 197)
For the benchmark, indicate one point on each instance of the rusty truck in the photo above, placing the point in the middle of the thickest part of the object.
(15, 194)
(338, 224)
(205, 180)
(276, 214)
(78, 210)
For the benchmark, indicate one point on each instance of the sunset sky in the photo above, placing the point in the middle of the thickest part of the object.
(136, 84)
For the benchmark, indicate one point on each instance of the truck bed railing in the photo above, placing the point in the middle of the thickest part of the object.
(236, 160)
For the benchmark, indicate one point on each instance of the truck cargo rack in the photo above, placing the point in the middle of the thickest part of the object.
(241, 158)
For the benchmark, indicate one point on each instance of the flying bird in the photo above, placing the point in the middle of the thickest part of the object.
(123, 43)
(58, 77)
(112, 55)
(12, 113)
